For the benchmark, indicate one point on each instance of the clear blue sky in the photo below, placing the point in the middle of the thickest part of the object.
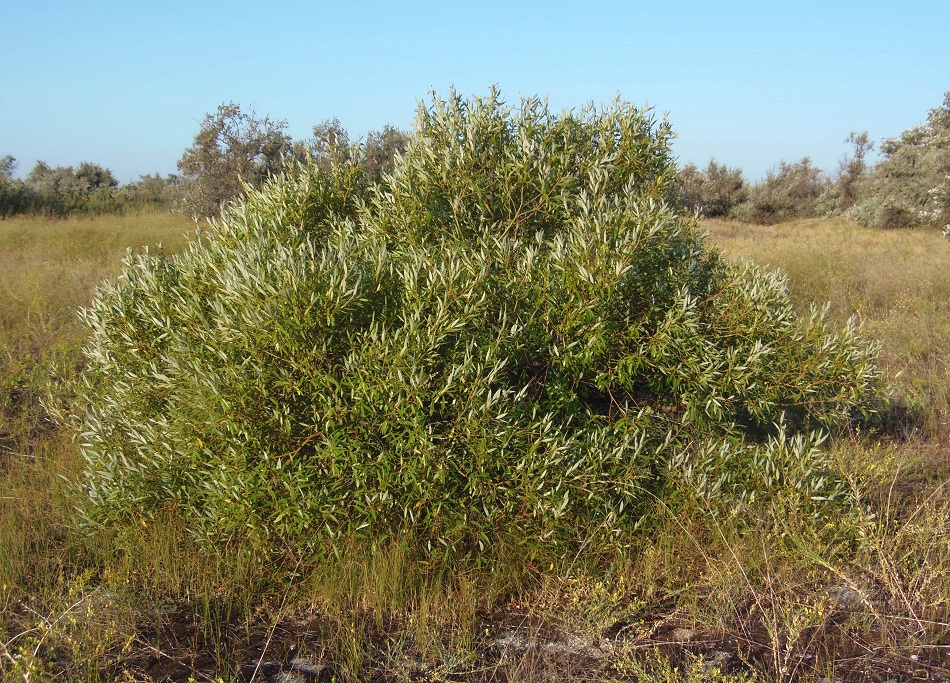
(126, 84)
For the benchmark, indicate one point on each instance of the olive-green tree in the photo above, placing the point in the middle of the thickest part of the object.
(8, 165)
(911, 184)
(331, 145)
(233, 150)
(63, 190)
(381, 149)
(714, 191)
(789, 190)
(15, 196)
(852, 171)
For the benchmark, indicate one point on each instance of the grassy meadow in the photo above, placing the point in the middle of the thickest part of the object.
(701, 598)
(894, 281)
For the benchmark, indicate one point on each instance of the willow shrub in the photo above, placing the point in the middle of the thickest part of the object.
(516, 338)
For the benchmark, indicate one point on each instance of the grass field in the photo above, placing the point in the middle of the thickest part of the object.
(703, 598)
(895, 281)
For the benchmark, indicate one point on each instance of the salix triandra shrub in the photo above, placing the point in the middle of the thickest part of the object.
(517, 337)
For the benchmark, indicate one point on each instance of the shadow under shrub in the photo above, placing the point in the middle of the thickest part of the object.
(515, 338)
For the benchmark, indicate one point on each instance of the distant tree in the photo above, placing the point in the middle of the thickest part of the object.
(93, 177)
(153, 192)
(714, 191)
(48, 180)
(842, 191)
(86, 189)
(62, 190)
(853, 169)
(380, 150)
(911, 184)
(15, 196)
(7, 166)
(330, 144)
(790, 190)
(690, 183)
(232, 149)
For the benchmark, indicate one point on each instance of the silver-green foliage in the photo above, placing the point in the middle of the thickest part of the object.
(911, 185)
(714, 191)
(513, 338)
(788, 191)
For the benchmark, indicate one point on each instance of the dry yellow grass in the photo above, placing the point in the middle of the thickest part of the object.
(897, 283)
(50, 267)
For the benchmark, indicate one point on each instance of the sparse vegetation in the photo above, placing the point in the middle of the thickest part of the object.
(713, 192)
(232, 151)
(235, 151)
(88, 190)
(788, 191)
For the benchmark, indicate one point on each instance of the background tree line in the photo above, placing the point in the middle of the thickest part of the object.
(910, 185)
(87, 189)
(235, 150)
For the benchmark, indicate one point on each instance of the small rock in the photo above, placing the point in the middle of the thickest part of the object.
(845, 598)
(305, 666)
(512, 641)
(307, 671)
(718, 660)
(683, 635)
